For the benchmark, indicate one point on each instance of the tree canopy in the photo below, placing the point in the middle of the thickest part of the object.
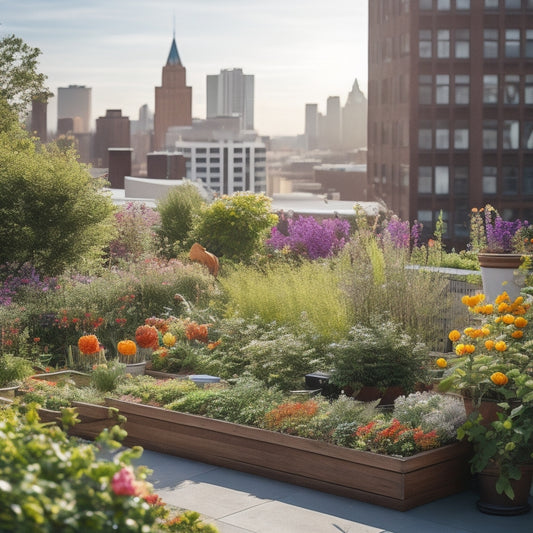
(20, 82)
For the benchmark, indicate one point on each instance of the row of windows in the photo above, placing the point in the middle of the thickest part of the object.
(438, 135)
(461, 5)
(444, 43)
(443, 180)
(509, 89)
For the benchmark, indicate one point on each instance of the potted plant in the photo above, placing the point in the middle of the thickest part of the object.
(381, 357)
(501, 246)
(494, 367)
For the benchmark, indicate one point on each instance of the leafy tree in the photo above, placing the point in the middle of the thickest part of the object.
(53, 212)
(19, 80)
(177, 210)
(234, 226)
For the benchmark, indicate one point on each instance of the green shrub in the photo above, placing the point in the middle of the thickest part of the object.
(177, 210)
(105, 377)
(382, 356)
(234, 226)
(13, 369)
(153, 391)
(53, 212)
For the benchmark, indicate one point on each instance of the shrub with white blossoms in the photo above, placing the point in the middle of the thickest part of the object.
(432, 411)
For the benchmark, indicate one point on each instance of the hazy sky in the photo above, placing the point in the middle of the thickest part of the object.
(300, 51)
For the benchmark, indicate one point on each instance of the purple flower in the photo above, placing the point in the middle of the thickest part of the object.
(312, 238)
(501, 233)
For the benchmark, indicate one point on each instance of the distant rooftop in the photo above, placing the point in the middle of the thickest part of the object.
(340, 167)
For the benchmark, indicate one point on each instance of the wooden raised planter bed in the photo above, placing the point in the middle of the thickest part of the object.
(397, 483)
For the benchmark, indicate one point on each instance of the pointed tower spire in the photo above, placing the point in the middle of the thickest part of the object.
(174, 56)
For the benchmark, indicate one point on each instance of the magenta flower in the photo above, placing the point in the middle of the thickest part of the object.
(123, 483)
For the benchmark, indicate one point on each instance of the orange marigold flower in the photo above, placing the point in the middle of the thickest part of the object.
(213, 345)
(147, 337)
(127, 347)
(460, 349)
(507, 319)
(469, 348)
(88, 344)
(499, 378)
(503, 308)
(518, 334)
(454, 335)
(441, 362)
(520, 322)
(489, 344)
(500, 346)
(503, 297)
(485, 331)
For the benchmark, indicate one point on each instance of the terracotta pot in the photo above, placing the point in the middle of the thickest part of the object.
(491, 502)
(499, 272)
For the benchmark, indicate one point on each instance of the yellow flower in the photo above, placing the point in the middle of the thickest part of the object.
(441, 362)
(518, 334)
(503, 297)
(472, 301)
(508, 424)
(485, 330)
(469, 331)
(520, 322)
(460, 349)
(499, 378)
(470, 348)
(169, 339)
(489, 344)
(500, 346)
(454, 335)
(508, 319)
(503, 308)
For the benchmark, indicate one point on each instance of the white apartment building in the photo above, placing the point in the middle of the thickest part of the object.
(226, 166)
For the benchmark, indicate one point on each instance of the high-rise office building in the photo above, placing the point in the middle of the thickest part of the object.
(231, 93)
(173, 100)
(450, 109)
(354, 119)
(311, 126)
(74, 102)
(112, 131)
(333, 122)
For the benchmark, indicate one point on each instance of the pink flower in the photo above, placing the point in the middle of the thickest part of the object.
(124, 483)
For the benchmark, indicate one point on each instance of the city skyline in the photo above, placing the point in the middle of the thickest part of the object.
(299, 52)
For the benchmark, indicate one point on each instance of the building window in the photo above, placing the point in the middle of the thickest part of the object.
(213, 150)
(201, 159)
(442, 89)
(462, 44)
(461, 136)
(490, 43)
(201, 170)
(443, 43)
(490, 134)
(214, 160)
(511, 90)
(529, 43)
(511, 135)
(490, 89)
(425, 4)
(425, 216)
(442, 135)
(513, 4)
(424, 43)
(442, 180)
(425, 89)
(462, 89)
(490, 180)
(528, 89)
(527, 186)
(425, 134)
(510, 180)
(512, 43)
(443, 5)
(201, 150)
(492, 4)
(460, 181)
(527, 142)
(462, 4)
(425, 180)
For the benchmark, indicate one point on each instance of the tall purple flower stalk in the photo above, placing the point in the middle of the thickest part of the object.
(18, 279)
(401, 235)
(312, 238)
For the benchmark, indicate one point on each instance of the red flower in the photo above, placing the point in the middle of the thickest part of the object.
(147, 337)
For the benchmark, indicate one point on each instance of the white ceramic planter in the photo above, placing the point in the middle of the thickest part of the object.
(500, 272)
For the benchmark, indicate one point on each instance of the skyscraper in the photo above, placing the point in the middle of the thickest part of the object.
(231, 92)
(333, 122)
(173, 100)
(112, 131)
(450, 109)
(311, 126)
(74, 102)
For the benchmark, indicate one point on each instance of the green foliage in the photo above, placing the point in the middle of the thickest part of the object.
(50, 482)
(13, 369)
(152, 391)
(382, 355)
(384, 288)
(19, 80)
(291, 295)
(177, 210)
(181, 357)
(234, 226)
(105, 377)
(53, 212)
